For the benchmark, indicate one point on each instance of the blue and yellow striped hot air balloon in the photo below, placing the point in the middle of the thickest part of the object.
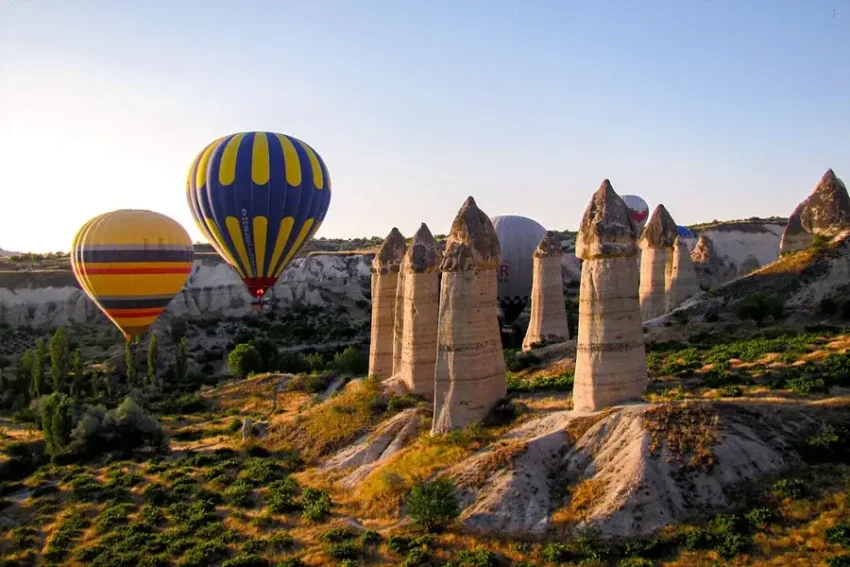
(258, 197)
(132, 263)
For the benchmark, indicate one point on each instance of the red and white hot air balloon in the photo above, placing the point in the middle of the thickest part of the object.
(639, 210)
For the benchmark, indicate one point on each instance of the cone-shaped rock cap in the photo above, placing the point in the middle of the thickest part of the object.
(661, 230)
(423, 254)
(827, 209)
(606, 228)
(389, 257)
(472, 243)
(550, 245)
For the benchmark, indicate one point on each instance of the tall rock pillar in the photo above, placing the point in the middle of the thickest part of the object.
(419, 299)
(548, 322)
(470, 370)
(683, 277)
(385, 269)
(610, 353)
(656, 264)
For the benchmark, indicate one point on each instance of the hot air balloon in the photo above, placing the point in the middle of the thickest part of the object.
(132, 263)
(685, 232)
(258, 197)
(638, 209)
(518, 238)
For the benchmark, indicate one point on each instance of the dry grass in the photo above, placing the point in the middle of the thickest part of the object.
(332, 424)
(583, 498)
(499, 457)
(380, 493)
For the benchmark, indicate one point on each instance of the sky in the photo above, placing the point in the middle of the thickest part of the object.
(718, 109)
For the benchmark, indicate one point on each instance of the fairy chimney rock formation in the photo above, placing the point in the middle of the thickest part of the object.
(470, 370)
(610, 354)
(825, 213)
(385, 269)
(682, 282)
(548, 322)
(656, 262)
(711, 270)
(419, 299)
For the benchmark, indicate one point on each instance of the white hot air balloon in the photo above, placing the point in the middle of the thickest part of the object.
(638, 209)
(518, 238)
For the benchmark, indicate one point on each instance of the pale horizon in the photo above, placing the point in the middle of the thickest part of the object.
(718, 110)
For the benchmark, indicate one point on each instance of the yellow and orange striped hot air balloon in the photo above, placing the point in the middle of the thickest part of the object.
(132, 263)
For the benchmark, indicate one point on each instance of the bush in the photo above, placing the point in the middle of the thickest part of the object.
(351, 361)
(316, 504)
(516, 361)
(433, 506)
(124, 429)
(292, 363)
(760, 306)
(315, 362)
(244, 360)
(842, 560)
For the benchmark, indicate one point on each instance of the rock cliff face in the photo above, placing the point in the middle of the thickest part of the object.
(53, 298)
(824, 213)
(711, 270)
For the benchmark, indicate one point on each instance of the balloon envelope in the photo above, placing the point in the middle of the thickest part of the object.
(518, 238)
(132, 263)
(685, 232)
(639, 210)
(258, 197)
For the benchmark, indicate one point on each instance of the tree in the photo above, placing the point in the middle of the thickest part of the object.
(37, 385)
(56, 422)
(267, 351)
(59, 352)
(152, 355)
(433, 505)
(181, 360)
(243, 360)
(130, 359)
(77, 371)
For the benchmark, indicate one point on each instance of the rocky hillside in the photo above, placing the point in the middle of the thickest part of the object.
(42, 291)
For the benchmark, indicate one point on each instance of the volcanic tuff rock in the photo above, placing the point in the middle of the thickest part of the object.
(610, 355)
(385, 269)
(825, 212)
(470, 371)
(711, 270)
(548, 323)
(419, 300)
(656, 244)
(682, 283)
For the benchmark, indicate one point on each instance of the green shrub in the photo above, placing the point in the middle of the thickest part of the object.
(267, 351)
(344, 550)
(316, 504)
(280, 498)
(244, 360)
(733, 391)
(293, 363)
(370, 538)
(760, 306)
(433, 505)
(351, 361)
(281, 542)
(842, 560)
(517, 361)
(315, 362)
(335, 535)
(477, 558)
(240, 494)
(840, 534)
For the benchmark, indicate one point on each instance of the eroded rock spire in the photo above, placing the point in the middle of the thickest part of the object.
(385, 268)
(470, 367)
(548, 322)
(656, 245)
(610, 353)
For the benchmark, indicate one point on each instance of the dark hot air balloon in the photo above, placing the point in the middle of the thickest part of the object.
(258, 197)
(518, 238)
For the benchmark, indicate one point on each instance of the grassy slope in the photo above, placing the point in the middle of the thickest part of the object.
(77, 515)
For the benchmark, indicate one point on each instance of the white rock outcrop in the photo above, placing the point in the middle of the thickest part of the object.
(548, 322)
(385, 268)
(420, 311)
(610, 353)
(682, 282)
(656, 245)
(470, 369)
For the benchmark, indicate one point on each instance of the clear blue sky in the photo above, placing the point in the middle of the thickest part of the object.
(722, 109)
